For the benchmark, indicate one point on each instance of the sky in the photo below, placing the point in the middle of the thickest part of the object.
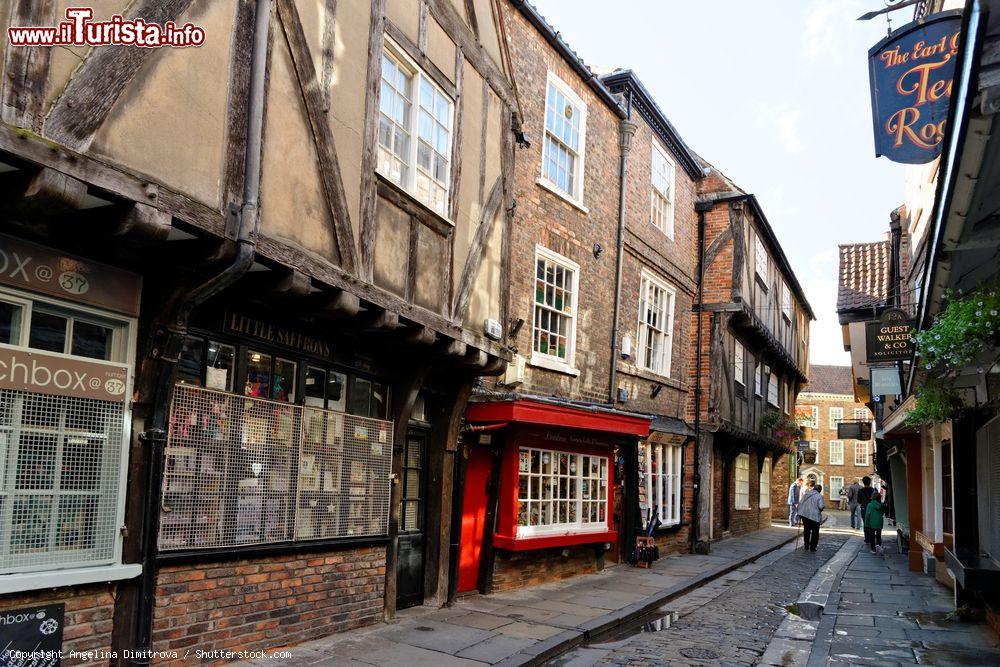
(774, 94)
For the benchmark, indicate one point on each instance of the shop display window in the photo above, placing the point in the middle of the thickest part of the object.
(660, 477)
(558, 492)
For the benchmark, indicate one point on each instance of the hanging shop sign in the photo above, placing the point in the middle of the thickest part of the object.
(43, 373)
(885, 382)
(911, 73)
(32, 636)
(854, 430)
(890, 338)
(275, 334)
(39, 269)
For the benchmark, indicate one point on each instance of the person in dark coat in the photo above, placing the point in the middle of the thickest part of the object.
(811, 508)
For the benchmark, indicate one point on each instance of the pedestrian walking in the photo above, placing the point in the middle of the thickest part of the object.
(852, 503)
(843, 498)
(794, 491)
(810, 510)
(864, 495)
(874, 520)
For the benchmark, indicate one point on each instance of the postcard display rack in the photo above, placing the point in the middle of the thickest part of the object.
(242, 471)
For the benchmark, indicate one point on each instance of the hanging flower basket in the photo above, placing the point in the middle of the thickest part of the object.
(783, 428)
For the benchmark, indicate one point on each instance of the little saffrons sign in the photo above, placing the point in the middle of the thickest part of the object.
(911, 74)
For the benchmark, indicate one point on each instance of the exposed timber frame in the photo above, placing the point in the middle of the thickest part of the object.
(27, 68)
(376, 42)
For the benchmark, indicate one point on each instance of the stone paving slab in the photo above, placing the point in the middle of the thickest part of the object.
(527, 627)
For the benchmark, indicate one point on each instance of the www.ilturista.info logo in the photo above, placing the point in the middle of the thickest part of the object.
(79, 30)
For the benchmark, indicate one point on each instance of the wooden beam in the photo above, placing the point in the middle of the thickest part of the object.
(234, 169)
(737, 222)
(456, 143)
(145, 224)
(292, 285)
(475, 359)
(329, 50)
(448, 18)
(51, 193)
(26, 67)
(392, 193)
(477, 250)
(326, 149)
(444, 81)
(470, 11)
(95, 88)
(376, 38)
(340, 303)
(421, 335)
(422, 27)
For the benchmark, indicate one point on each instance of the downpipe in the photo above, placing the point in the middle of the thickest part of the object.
(176, 330)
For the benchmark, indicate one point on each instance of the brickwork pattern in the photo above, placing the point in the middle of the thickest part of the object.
(87, 623)
(824, 434)
(513, 570)
(268, 602)
(741, 521)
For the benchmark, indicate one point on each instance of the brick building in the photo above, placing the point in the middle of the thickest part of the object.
(750, 360)
(834, 462)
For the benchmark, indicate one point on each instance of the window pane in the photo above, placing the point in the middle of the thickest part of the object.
(92, 340)
(360, 397)
(284, 381)
(189, 370)
(10, 323)
(315, 385)
(221, 362)
(48, 331)
(336, 391)
(258, 382)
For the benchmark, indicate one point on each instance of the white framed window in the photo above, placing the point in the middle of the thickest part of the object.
(836, 416)
(836, 484)
(836, 452)
(861, 453)
(739, 364)
(760, 258)
(415, 131)
(662, 194)
(807, 415)
(862, 414)
(662, 474)
(742, 482)
(772, 389)
(561, 492)
(757, 380)
(63, 458)
(554, 326)
(786, 301)
(565, 139)
(656, 324)
(765, 483)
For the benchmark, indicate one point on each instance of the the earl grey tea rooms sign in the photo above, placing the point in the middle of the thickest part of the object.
(911, 74)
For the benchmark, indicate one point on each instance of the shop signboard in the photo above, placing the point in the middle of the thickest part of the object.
(890, 338)
(32, 636)
(910, 73)
(854, 430)
(885, 382)
(37, 268)
(43, 373)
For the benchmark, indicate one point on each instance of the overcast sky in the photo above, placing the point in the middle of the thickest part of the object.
(774, 94)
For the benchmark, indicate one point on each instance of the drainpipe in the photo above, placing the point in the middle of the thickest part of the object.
(626, 130)
(247, 222)
(701, 208)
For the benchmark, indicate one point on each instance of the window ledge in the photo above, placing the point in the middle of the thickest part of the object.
(636, 370)
(562, 195)
(743, 509)
(552, 365)
(557, 540)
(29, 581)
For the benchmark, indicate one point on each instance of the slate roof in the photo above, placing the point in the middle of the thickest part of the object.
(864, 276)
(830, 380)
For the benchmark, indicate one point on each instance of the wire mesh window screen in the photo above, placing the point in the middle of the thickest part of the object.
(60, 471)
(243, 471)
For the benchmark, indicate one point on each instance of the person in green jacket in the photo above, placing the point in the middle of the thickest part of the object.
(874, 519)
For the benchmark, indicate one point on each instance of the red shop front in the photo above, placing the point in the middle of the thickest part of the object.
(545, 476)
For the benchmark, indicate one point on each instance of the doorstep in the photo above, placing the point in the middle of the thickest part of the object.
(532, 625)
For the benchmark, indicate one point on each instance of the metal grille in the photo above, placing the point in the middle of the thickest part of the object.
(245, 471)
(60, 473)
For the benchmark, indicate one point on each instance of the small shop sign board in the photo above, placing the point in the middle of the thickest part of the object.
(32, 636)
(911, 73)
(854, 430)
(885, 382)
(890, 338)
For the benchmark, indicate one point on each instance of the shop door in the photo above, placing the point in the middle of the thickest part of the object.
(410, 549)
(477, 477)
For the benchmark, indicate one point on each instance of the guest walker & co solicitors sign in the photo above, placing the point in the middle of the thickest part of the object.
(911, 74)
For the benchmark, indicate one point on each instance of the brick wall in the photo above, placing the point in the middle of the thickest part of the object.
(779, 488)
(546, 219)
(268, 602)
(824, 434)
(88, 616)
(513, 570)
(740, 521)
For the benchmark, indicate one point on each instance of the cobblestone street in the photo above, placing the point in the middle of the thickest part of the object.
(730, 621)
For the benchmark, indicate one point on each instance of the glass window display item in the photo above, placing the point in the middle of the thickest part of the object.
(258, 374)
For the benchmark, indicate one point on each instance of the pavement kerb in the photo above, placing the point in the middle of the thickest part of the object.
(556, 645)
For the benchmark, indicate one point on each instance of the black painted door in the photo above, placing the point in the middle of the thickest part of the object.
(410, 549)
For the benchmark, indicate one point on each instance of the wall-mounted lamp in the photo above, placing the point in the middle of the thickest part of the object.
(657, 388)
(598, 249)
(516, 327)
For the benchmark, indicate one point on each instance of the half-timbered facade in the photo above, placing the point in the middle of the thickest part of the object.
(751, 358)
(288, 252)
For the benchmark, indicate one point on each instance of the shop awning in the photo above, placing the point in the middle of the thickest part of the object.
(552, 413)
